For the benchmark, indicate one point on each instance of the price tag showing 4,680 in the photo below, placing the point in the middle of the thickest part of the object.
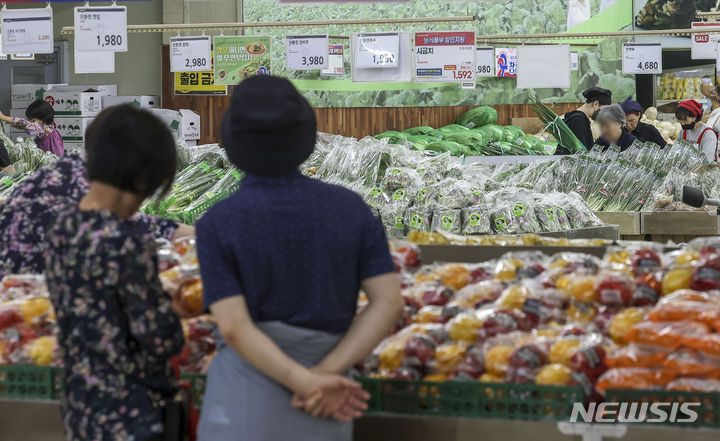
(190, 54)
(377, 50)
(642, 58)
(101, 28)
(306, 52)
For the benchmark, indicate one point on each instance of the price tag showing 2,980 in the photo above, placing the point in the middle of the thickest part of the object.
(642, 58)
(377, 50)
(101, 29)
(306, 52)
(190, 54)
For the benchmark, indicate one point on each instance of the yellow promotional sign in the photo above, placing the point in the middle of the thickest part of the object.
(197, 83)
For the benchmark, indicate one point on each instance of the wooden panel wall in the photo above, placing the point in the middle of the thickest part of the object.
(348, 121)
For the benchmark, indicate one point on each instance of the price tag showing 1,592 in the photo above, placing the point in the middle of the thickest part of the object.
(377, 50)
(190, 54)
(306, 52)
(101, 28)
(642, 58)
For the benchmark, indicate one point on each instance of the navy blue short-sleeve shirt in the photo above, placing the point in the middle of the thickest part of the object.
(296, 248)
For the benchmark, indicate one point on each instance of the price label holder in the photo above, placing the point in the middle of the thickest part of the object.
(94, 62)
(27, 30)
(306, 52)
(336, 61)
(642, 58)
(447, 56)
(485, 62)
(101, 28)
(190, 54)
(377, 50)
(573, 61)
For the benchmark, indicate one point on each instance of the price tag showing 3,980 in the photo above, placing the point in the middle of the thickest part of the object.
(190, 54)
(642, 58)
(377, 50)
(306, 52)
(101, 28)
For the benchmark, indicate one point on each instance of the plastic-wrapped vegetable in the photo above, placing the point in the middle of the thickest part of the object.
(392, 136)
(393, 219)
(470, 138)
(402, 197)
(450, 129)
(562, 218)
(501, 220)
(494, 133)
(455, 149)
(419, 218)
(476, 220)
(376, 198)
(547, 217)
(400, 177)
(429, 176)
(427, 196)
(448, 221)
(525, 219)
(422, 130)
(420, 142)
(512, 133)
(454, 194)
(478, 116)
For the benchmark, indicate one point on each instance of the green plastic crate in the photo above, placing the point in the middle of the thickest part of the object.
(708, 411)
(28, 382)
(472, 399)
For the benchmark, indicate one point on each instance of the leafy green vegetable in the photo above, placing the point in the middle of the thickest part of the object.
(422, 130)
(478, 117)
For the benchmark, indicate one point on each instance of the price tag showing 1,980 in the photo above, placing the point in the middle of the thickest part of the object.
(101, 29)
(378, 50)
(190, 54)
(642, 58)
(306, 52)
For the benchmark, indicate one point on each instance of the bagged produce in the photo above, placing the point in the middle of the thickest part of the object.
(450, 129)
(687, 362)
(427, 196)
(478, 117)
(420, 142)
(399, 177)
(376, 198)
(422, 130)
(419, 218)
(634, 378)
(667, 334)
(502, 221)
(454, 148)
(525, 219)
(476, 220)
(694, 385)
(393, 219)
(634, 355)
(454, 194)
(392, 136)
(448, 221)
(402, 197)
(547, 217)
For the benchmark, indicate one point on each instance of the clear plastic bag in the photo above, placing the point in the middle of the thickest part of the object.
(393, 219)
(419, 218)
(476, 220)
(448, 221)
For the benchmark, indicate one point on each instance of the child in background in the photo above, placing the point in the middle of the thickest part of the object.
(40, 118)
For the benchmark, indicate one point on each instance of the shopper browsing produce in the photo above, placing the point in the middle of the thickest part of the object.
(713, 120)
(282, 261)
(579, 120)
(40, 117)
(612, 128)
(642, 131)
(688, 114)
(118, 343)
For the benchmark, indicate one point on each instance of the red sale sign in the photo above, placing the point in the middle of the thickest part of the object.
(445, 56)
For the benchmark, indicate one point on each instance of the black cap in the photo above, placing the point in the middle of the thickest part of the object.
(269, 128)
(603, 96)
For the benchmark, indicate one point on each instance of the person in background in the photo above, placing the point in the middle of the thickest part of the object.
(40, 123)
(642, 131)
(689, 114)
(118, 329)
(612, 128)
(579, 120)
(713, 120)
(282, 261)
(35, 204)
(4, 157)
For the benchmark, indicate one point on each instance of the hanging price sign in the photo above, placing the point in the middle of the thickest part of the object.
(27, 31)
(101, 29)
(336, 61)
(306, 52)
(642, 58)
(445, 56)
(377, 50)
(485, 62)
(190, 54)
(573, 61)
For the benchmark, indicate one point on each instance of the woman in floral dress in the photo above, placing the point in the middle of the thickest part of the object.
(118, 328)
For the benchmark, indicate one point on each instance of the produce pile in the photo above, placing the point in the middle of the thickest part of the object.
(28, 331)
(475, 134)
(25, 158)
(611, 180)
(636, 319)
(411, 191)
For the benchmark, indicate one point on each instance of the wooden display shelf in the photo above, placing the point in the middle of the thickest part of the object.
(686, 223)
(629, 222)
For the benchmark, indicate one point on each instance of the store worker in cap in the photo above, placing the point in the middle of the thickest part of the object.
(579, 120)
(282, 261)
(612, 128)
(689, 114)
(642, 131)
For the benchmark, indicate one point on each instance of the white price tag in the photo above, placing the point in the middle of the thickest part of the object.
(190, 54)
(703, 46)
(306, 52)
(445, 56)
(27, 31)
(336, 61)
(94, 62)
(642, 58)
(377, 50)
(485, 61)
(573, 61)
(102, 28)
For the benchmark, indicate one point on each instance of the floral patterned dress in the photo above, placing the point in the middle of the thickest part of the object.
(117, 328)
(34, 207)
(46, 136)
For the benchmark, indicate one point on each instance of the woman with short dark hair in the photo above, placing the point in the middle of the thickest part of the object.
(40, 124)
(118, 328)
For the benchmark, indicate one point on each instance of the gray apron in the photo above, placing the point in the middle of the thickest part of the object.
(242, 404)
